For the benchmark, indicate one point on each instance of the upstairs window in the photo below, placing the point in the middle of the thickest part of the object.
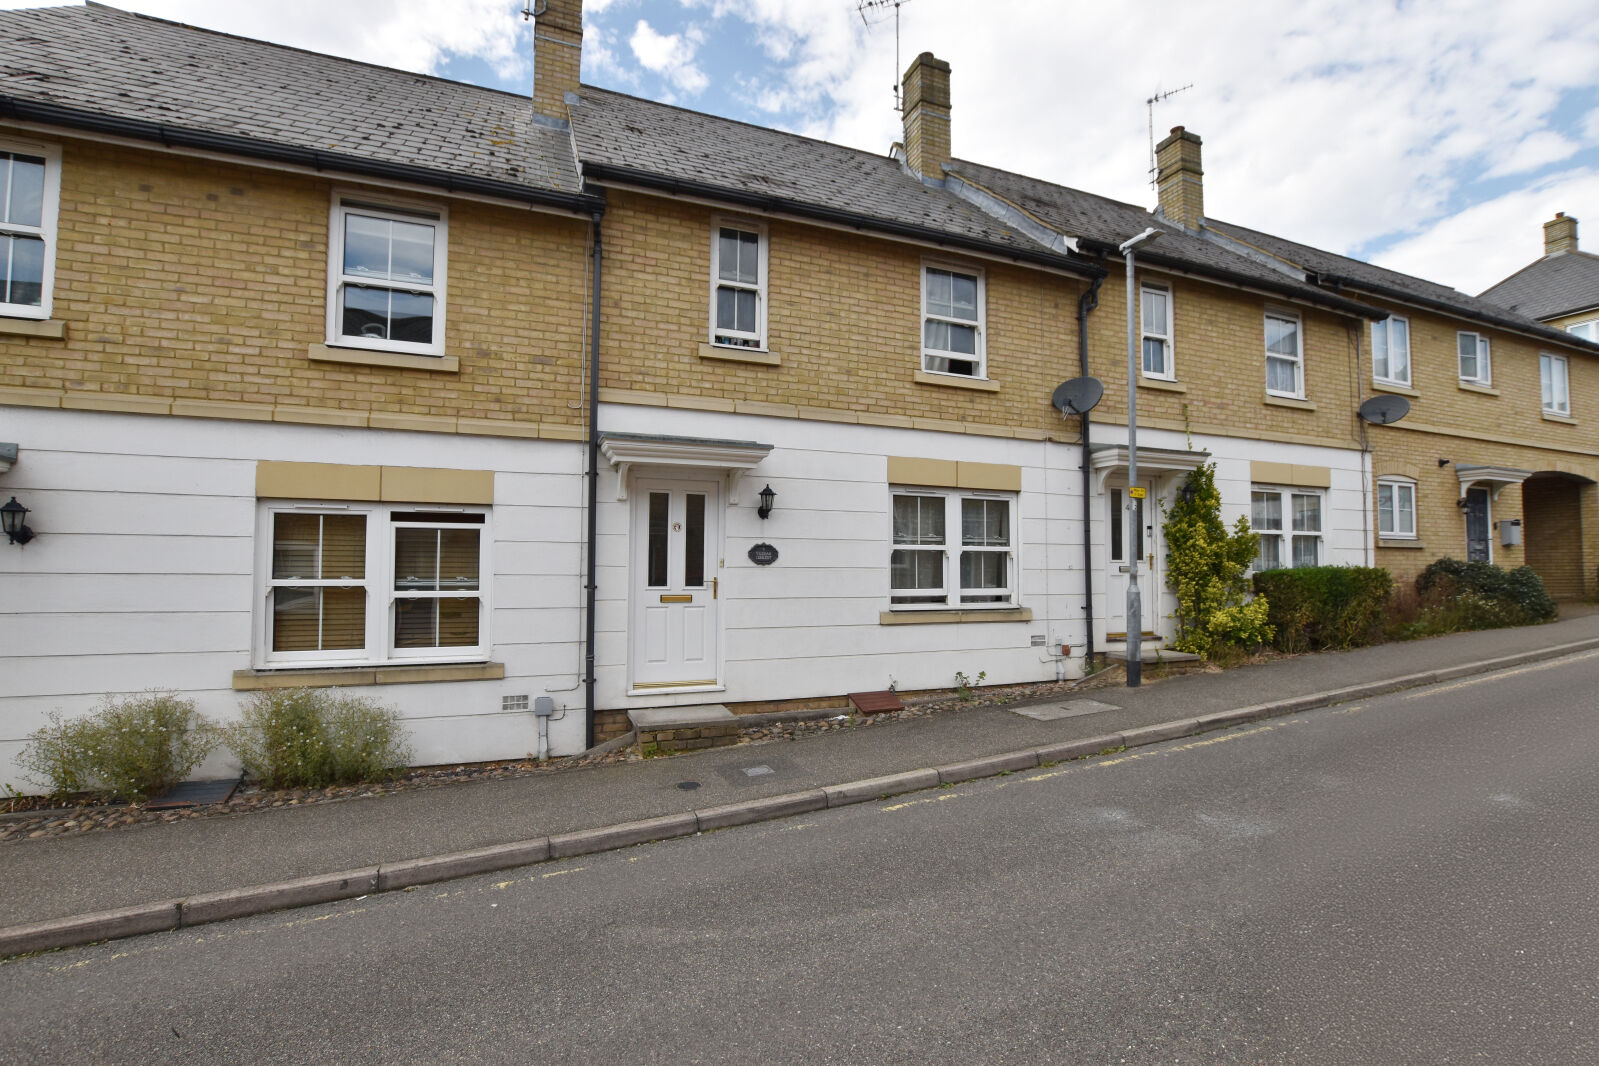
(30, 189)
(1556, 384)
(952, 321)
(738, 286)
(933, 530)
(386, 278)
(1588, 331)
(1284, 356)
(1156, 306)
(1474, 361)
(1390, 351)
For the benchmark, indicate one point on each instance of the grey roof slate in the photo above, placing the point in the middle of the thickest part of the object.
(110, 62)
(1551, 287)
(1107, 223)
(620, 132)
(1380, 281)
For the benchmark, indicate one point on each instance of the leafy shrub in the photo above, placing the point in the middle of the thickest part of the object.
(307, 738)
(1205, 567)
(1315, 607)
(1521, 589)
(133, 747)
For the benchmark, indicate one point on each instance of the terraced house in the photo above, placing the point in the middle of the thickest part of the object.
(322, 373)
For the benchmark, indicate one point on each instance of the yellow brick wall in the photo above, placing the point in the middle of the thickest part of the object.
(844, 318)
(184, 279)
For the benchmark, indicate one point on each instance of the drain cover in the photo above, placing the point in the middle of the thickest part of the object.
(757, 771)
(688, 786)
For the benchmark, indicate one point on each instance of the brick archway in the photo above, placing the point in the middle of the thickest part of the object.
(1552, 516)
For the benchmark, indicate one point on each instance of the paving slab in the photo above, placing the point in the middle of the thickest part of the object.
(1050, 712)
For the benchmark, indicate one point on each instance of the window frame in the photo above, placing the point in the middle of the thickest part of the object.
(951, 595)
(1287, 533)
(1483, 357)
(48, 230)
(1587, 330)
(741, 225)
(381, 597)
(1166, 338)
(980, 358)
(1397, 487)
(1298, 358)
(1546, 361)
(1390, 378)
(346, 203)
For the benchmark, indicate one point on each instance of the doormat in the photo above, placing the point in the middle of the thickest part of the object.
(1049, 712)
(195, 794)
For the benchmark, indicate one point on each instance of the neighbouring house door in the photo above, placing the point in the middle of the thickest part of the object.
(1479, 549)
(1131, 536)
(676, 538)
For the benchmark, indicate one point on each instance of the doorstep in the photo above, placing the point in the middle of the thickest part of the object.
(666, 729)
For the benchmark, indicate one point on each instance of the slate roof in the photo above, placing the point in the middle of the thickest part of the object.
(620, 137)
(1364, 277)
(1103, 224)
(1551, 287)
(115, 63)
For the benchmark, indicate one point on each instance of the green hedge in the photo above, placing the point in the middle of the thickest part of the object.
(1518, 594)
(1316, 607)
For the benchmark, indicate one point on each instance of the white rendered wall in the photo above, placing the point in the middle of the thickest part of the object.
(142, 572)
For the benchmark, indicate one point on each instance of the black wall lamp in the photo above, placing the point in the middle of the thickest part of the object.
(11, 520)
(767, 498)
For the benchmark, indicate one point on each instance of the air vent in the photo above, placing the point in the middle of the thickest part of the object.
(1037, 640)
(513, 703)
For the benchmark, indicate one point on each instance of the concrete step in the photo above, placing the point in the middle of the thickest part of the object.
(702, 725)
(1148, 653)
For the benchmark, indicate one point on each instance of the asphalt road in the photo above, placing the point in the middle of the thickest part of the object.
(1411, 880)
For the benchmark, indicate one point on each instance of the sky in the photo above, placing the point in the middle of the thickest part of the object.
(1432, 137)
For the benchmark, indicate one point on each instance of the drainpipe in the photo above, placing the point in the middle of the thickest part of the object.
(1086, 303)
(591, 585)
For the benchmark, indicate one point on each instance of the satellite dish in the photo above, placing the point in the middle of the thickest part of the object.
(1077, 396)
(1382, 410)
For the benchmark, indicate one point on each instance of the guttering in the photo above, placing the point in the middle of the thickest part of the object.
(602, 172)
(1526, 329)
(591, 580)
(1087, 302)
(1304, 294)
(314, 159)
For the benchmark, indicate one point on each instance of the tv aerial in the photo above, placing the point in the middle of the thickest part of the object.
(873, 12)
(1150, 104)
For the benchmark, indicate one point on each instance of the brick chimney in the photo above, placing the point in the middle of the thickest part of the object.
(557, 55)
(1180, 179)
(1559, 234)
(927, 115)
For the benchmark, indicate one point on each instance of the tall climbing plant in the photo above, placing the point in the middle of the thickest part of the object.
(1206, 567)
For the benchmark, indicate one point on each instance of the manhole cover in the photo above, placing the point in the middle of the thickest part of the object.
(688, 786)
(1049, 712)
(757, 771)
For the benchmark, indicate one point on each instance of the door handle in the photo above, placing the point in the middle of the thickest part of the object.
(715, 586)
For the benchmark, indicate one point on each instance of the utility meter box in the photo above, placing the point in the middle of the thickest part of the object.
(1510, 532)
(544, 706)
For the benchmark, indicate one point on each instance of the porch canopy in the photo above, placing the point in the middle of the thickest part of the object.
(1108, 459)
(1489, 477)
(627, 450)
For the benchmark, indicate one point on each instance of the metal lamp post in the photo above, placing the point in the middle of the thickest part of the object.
(1135, 621)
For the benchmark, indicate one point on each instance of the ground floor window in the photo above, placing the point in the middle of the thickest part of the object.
(952, 548)
(1289, 524)
(372, 583)
(1396, 508)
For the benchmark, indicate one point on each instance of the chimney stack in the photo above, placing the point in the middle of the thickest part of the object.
(927, 116)
(557, 55)
(1559, 234)
(1180, 179)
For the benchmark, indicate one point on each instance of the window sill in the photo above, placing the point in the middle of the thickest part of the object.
(1394, 387)
(730, 354)
(1289, 401)
(444, 364)
(1472, 386)
(409, 673)
(1404, 543)
(53, 328)
(926, 618)
(1162, 385)
(951, 381)
(1552, 416)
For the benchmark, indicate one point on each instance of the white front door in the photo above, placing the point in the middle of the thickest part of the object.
(1131, 534)
(675, 629)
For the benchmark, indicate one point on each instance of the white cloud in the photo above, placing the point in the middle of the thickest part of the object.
(1536, 151)
(670, 55)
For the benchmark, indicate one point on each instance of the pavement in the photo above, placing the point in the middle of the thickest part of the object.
(71, 890)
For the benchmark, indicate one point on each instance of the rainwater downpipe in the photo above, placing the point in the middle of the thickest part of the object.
(1086, 303)
(591, 585)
